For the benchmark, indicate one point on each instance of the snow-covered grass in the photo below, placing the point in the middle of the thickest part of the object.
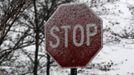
(121, 55)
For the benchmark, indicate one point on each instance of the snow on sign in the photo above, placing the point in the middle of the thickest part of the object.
(73, 35)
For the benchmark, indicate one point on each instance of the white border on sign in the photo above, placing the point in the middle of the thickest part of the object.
(67, 4)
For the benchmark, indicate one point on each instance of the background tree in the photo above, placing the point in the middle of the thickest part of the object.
(10, 14)
(20, 30)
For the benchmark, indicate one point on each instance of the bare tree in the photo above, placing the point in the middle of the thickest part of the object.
(14, 16)
(10, 13)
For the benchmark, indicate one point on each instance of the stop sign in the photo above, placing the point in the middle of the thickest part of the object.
(73, 35)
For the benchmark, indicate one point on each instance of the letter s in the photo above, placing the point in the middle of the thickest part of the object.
(52, 44)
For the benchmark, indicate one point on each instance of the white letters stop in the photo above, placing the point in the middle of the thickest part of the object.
(74, 30)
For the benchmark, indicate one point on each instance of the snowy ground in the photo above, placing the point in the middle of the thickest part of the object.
(121, 55)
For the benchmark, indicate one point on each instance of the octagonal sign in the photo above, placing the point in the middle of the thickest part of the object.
(73, 35)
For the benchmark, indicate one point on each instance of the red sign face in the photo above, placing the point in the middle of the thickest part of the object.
(73, 35)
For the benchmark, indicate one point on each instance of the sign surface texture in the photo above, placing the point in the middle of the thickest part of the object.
(73, 35)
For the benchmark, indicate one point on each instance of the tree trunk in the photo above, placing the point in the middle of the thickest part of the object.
(37, 40)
